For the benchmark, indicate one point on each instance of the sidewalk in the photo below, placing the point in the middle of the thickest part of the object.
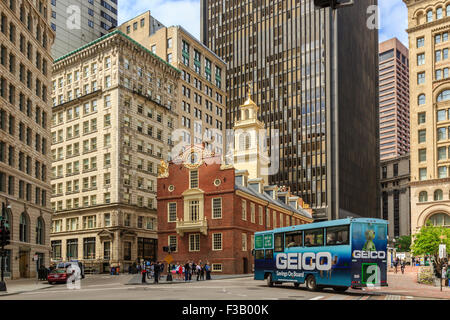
(23, 285)
(137, 279)
(406, 285)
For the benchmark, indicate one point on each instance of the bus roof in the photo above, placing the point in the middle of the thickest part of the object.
(324, 224)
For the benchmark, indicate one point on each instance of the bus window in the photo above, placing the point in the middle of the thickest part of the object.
(269, 254)
(314, 237)
(338, 235)
(381, 232)
(259, 254)
(279, 242)
(294, 239)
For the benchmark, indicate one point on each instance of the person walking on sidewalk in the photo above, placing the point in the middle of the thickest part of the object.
(143, 272)
(402, 266)
(186, 271)
(156, 268)
(199, 271)
(208, 271)
(395, 265)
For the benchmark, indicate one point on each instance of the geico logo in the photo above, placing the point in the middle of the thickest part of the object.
(304, 261)
(369, 254)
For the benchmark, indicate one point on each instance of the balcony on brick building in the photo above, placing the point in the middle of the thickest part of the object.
(199, 225)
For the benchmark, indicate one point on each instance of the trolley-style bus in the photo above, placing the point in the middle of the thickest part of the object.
(337, 254)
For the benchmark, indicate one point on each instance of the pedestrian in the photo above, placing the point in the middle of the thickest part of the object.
(194, 268)
(199, 270)
(156, 270)
(395, 265)
(402, 266)
(208, 271)
(186, 271)
(202, 272)
(161, 269)
(190, 270)
(143, 272)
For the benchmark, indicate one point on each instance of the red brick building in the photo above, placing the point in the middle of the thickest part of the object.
(210, 211)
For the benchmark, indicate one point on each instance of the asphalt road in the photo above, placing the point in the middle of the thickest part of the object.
(115, 288)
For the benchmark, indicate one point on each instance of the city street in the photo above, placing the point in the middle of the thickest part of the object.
(106, 287)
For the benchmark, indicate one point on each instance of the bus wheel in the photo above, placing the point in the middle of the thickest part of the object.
(296, 284)
(311, 283)
(340, 289)
(269, 280)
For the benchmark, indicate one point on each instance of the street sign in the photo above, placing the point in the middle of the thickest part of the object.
(268, 241)
(442, 251)
(168, 259)
(259, 242)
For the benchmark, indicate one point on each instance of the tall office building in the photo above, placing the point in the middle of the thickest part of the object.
(25, 83)
(394, 99)
(111, 127)
(78, 22)
(428, 29)
(201, 104)
(315, 77)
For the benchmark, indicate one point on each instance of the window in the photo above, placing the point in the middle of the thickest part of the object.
(439, 219)
(438, 195)
(421, 78)
(24, 228)
(89, 248)
(217, 208)
(429, 16)
(193, 179)
(279, 242)
(194, 242)
(337, 235)
(421, 59)
(244, 242)
(314, 237)
(423, 196)
(422, 136)
(173, 243)
(244, 210)
(422, 174)
(422, 155)
(216, 241)
(194, 210)
(252, 212)
(294, 239)
(172, 212)
(420, 42)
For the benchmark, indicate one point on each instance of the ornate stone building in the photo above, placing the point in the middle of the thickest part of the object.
(113, 114)
(429, 44)
(25, 81)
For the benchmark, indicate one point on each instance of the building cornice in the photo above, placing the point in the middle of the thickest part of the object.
(435, 23)
(432, 182)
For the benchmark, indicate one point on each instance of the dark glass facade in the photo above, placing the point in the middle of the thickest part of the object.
(326, 114)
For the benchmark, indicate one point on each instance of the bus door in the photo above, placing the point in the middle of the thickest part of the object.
(369, 255)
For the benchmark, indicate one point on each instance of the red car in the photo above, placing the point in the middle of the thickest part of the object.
(58, 276)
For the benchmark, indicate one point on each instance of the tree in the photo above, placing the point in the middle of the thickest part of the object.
(427, 242)
(403, 244)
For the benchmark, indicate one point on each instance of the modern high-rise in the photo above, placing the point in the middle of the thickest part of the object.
(315, 77)
(78, 22)
(25, 87)
(394, 99)
(202, 94)
(429, 43)
(111, 126)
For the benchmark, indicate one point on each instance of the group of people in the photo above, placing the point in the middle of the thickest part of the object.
(401, 263)
(190, 270)
(151, 270)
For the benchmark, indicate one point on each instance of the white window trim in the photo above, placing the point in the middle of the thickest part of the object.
(176, 241)
(168, 212)
(193, 235)
(221, 241)
(212, 206)
(216, 270)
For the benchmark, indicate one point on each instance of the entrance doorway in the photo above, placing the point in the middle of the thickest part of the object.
(245, 266)
(23, 263)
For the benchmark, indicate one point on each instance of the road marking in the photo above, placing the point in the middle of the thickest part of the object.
(364, 298)
(409, 297)
(317, 298)
(392, 297)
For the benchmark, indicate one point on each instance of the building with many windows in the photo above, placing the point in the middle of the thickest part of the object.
(394, 99)
(323, 114)
(25, 83)
(429, 43)
(111, 125)
(209, 210)
(202, 92)
(395, 195)
(78, 22)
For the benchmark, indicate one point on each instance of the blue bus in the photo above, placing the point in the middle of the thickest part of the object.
(336, 254)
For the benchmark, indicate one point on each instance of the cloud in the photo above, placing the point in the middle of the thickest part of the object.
(393, 20)
(169, 12)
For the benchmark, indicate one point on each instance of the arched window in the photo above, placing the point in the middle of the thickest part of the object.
(438, 195)
(423, 196)
(421, 99)
(439, 219)
(439, 13)
(429, 16)
(244, 141)
(448, 10)
(23, 227)
(444, 96)
(40, 231)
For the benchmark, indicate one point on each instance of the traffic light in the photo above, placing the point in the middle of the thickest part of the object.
(5, 235)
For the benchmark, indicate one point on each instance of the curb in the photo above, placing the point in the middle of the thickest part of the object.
(23, 291)
(178, 282)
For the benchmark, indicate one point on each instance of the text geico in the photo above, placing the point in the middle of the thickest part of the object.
(298, 261)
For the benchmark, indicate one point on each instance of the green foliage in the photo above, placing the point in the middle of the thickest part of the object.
(427, 241)
(403, 244)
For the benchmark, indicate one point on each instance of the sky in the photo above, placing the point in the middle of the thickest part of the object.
(392, 22)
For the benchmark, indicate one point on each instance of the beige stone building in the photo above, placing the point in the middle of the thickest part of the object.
(25, 78)
(202, 90)
(113, 114)
(429, 44)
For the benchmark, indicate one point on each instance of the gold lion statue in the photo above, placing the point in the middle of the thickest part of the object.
(163, 169)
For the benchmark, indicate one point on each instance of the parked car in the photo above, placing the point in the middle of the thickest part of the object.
(66, 264)
(58, 275)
